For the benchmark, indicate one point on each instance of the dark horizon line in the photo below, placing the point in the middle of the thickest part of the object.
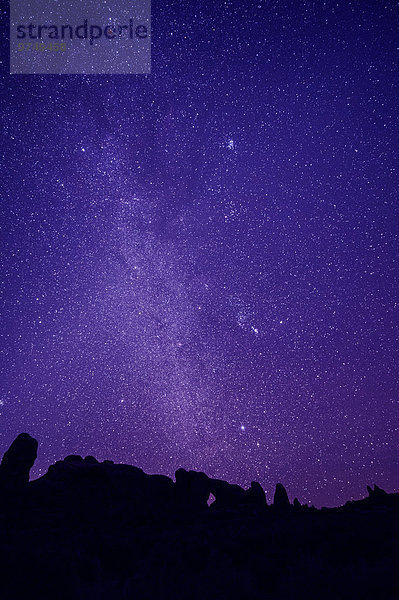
(23, 451)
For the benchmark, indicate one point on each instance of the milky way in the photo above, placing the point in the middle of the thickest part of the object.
(199, 265)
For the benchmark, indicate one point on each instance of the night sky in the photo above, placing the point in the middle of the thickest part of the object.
(198, 266)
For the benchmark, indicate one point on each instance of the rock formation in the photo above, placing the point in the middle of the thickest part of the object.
(87, 529)
(281, 501)
(17, 462)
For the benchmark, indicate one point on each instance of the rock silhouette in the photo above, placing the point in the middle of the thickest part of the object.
(281, 501)
(255, 495)
(87, 529)
(192, 489)
(17, 462)
(296, 504)
(227, 495)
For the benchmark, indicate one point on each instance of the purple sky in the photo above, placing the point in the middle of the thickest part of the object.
(199, 265)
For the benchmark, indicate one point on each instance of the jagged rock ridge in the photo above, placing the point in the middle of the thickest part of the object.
(102, 530)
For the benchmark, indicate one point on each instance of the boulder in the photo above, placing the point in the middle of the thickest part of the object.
(73, 458)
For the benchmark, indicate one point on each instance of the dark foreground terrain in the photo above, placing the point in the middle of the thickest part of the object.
(90, 530)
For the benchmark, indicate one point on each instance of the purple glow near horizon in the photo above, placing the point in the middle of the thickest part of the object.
(199, 265)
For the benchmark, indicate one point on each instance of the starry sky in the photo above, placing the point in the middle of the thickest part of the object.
(198, 266)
